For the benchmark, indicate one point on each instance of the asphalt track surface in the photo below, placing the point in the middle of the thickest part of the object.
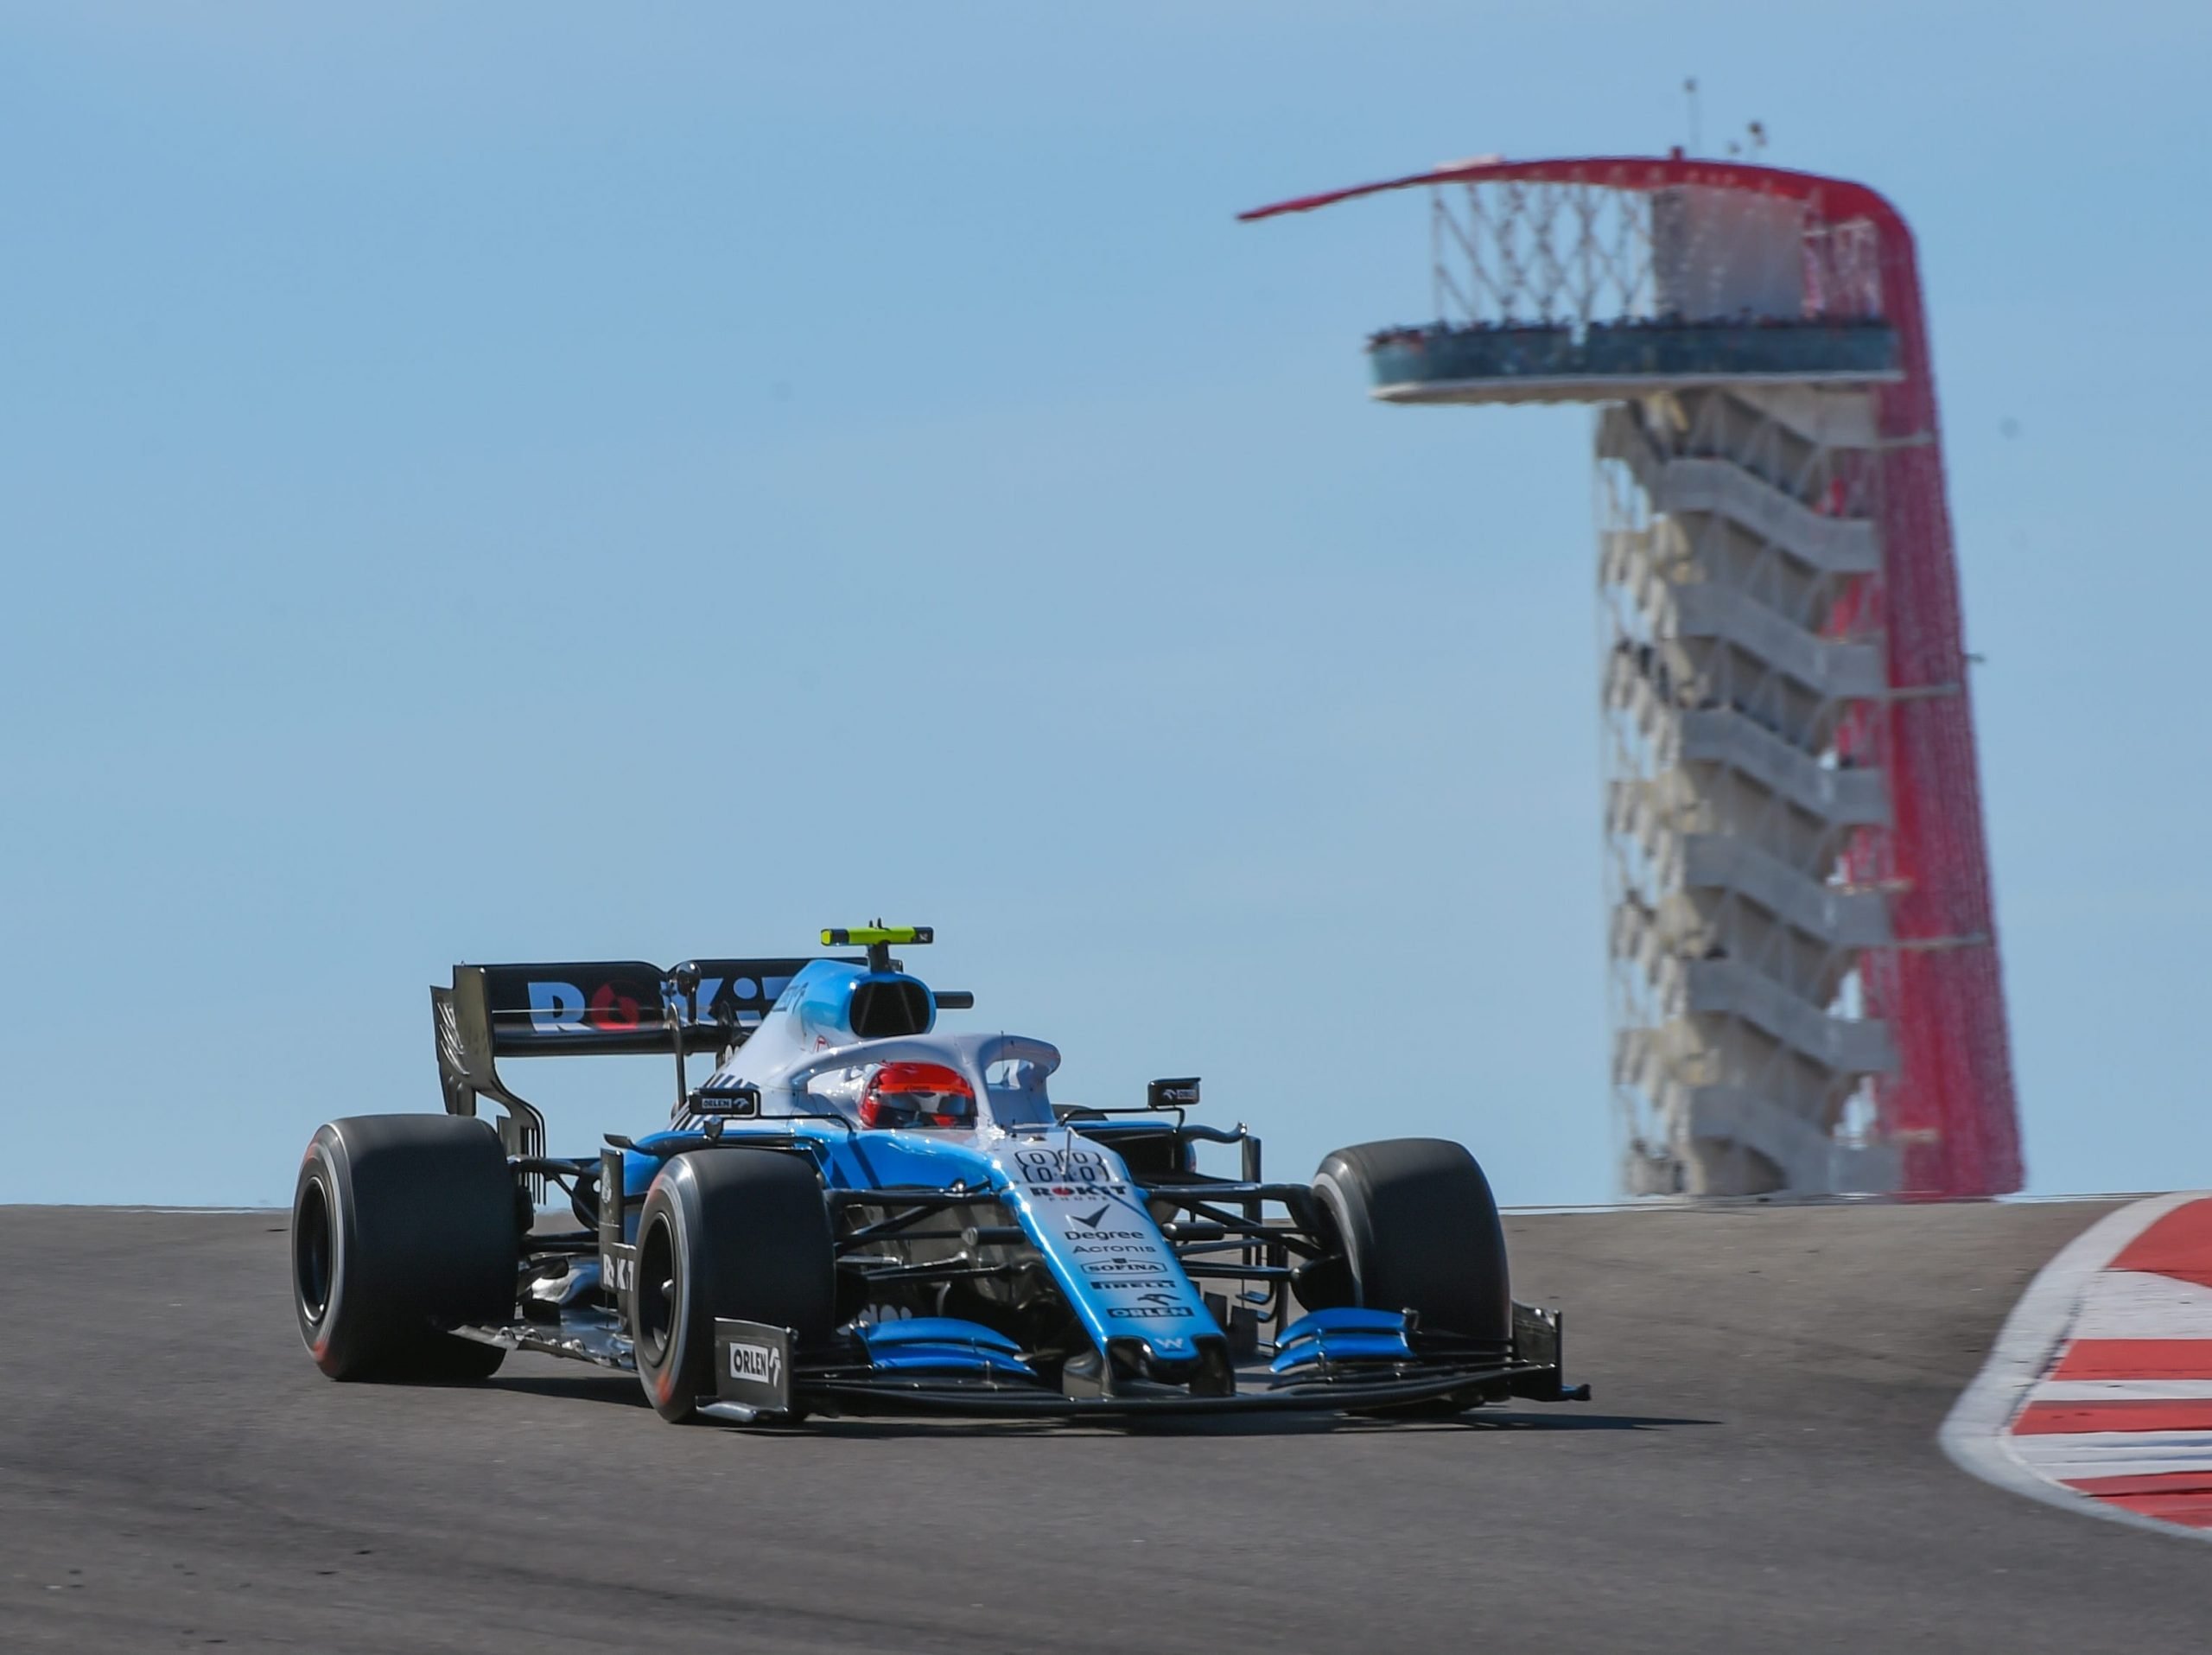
(1759, 1470)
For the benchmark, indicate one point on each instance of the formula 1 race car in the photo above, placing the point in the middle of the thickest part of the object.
(858, 1214)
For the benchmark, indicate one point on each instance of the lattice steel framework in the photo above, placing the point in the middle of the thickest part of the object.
(1508, 243)
(1785, 691)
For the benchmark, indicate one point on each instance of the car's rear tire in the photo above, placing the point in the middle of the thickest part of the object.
(403, 1227)
(729, 1232)
(1420, 1231)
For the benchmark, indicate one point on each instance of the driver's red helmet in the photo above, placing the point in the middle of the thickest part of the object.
(918, 1094)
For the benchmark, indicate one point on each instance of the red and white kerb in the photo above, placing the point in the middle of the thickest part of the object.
(2124, 1411)
(2110, 1400)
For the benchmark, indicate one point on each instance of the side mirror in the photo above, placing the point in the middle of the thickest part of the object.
(1172, 1094)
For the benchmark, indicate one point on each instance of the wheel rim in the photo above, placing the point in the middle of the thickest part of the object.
(656, 1291)
(312, 1251)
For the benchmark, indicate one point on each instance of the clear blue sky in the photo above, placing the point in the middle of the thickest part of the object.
(546, 480)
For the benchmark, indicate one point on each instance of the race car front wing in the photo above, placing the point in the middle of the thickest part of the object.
(1346, 1360)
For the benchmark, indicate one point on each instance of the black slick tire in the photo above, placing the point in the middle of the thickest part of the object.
(732, 1233)
(1421, 1232)
(403, 1226)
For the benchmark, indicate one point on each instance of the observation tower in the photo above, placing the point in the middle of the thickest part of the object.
(1805, 989)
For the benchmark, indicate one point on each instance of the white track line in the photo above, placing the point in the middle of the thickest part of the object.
(1975, 1435)
(2122, 1391)
(2136, 1304)
(2115, 1453)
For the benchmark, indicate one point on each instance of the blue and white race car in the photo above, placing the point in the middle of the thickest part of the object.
(858, 1213)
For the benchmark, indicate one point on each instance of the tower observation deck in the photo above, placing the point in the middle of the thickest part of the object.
(1804, 966)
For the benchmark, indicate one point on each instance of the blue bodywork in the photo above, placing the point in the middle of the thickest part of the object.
(943, 1345)
(1073, 1198)
(1323, 1338)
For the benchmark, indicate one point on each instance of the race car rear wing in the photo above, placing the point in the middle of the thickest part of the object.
(578, 1007)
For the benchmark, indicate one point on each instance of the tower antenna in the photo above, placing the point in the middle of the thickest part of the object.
(1690, 92)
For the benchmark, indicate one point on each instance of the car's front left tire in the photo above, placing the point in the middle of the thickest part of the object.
(403, 1226)
(1417, 1229)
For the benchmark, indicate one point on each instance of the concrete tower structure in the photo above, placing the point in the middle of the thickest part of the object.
(1805, 986)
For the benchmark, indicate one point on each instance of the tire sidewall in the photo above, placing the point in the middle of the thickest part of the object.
(1356, 1235)
(674, 1382)
(323, 1167)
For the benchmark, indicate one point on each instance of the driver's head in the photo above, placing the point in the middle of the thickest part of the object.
(918, 1095)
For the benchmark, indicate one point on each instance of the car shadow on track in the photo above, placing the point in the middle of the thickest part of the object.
(1339, 1424)
(1215, 1425)
(589, 1384)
